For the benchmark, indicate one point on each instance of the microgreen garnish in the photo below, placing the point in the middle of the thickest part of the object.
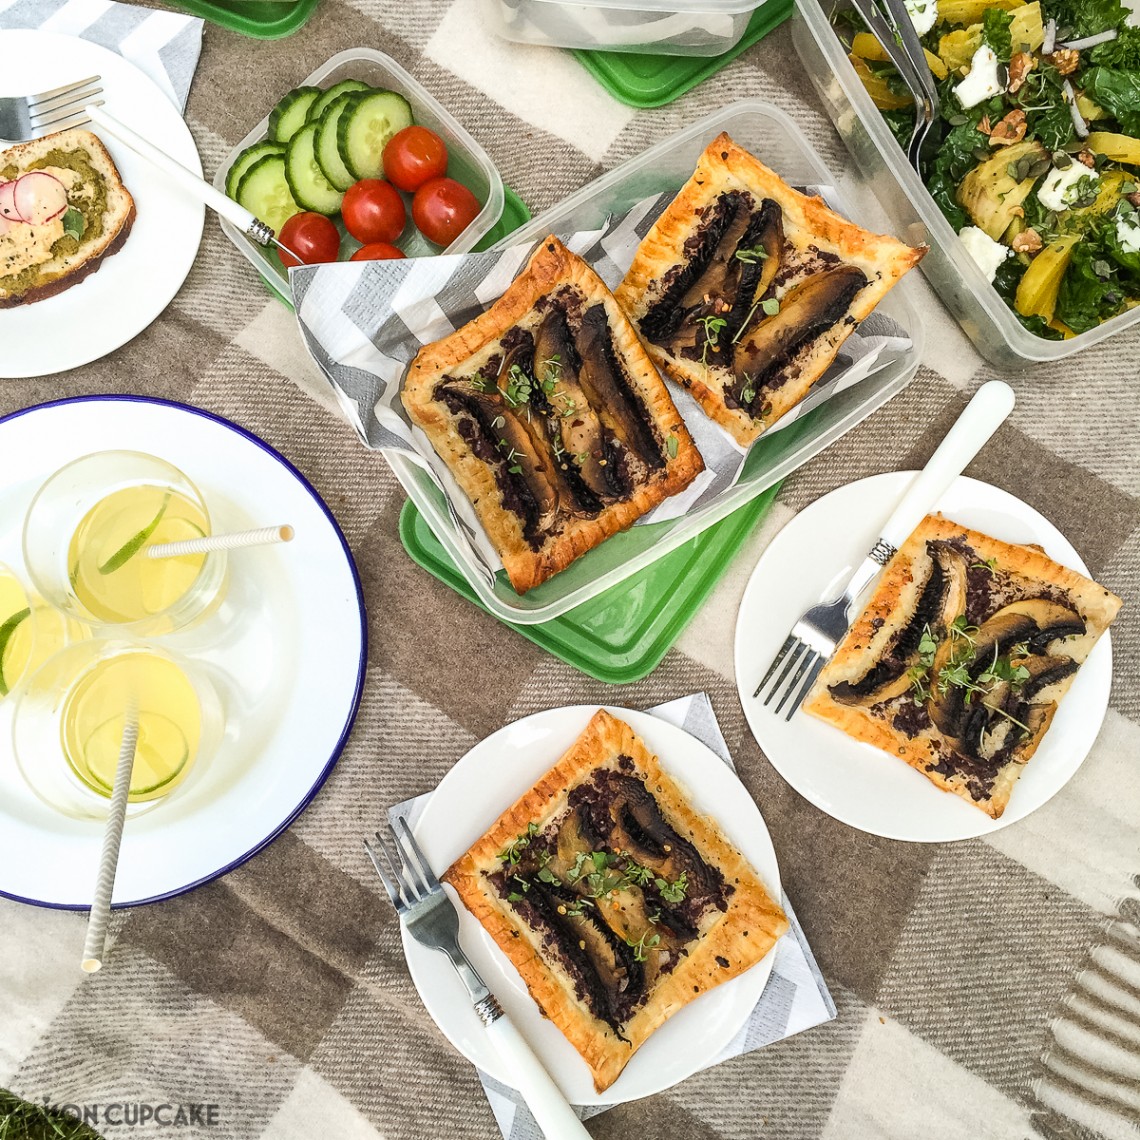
(517, 391)
(770, 306)
(512, 853)
(672, 446)
(643, 945)
(712, 326)
(673, 891)
(750, 255)
(989, 564)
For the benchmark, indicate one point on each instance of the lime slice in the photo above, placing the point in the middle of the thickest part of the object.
(134, 544)
(6, 632)
(159, 740)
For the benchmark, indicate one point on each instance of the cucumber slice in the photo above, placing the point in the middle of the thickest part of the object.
(264, 192)
(287, 118)
(307, 183)
(245, 161)
(364, 131)
(334, 92)
(328, 156)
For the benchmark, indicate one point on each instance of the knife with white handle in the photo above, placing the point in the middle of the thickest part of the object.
(250, 225)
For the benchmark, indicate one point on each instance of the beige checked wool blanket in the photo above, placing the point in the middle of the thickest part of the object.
(984, 989)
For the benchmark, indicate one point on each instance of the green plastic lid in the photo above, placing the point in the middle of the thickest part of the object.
(654, 80)
(621, 635)
(264, 19)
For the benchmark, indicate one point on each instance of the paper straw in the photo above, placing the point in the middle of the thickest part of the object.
(112, 837)
(263, 537)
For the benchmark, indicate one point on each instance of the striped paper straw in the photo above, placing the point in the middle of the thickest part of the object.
(112, 837)
(263, 537)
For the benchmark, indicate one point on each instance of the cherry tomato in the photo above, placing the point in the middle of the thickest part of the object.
(443, 208)
(312, 237)
(377, 251)
(373, 211)
(414, 155)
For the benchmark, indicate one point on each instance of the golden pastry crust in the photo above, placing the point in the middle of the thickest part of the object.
(551, 269)
(807, 224)
(728, 942)
(1008, 574)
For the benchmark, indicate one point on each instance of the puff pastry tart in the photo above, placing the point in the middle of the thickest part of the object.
(744, 289)
(616, 901)
(551, 417)
(960, 658)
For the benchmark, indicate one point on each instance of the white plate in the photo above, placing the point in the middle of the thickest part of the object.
(286, 649)
(494, 774)
(857, 783)
(129, 289)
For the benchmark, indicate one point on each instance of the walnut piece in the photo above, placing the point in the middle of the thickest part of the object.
(1010, 130)
(1087, 157)
(1020, 65)
(1028, 241)
(1065, 60)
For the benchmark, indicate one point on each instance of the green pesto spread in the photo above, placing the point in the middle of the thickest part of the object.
(88, 196)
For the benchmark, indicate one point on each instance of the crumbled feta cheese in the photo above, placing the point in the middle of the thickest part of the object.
(987, 253)
(983, 81)
(1059, 190)
(922, 14)
(1128, 233)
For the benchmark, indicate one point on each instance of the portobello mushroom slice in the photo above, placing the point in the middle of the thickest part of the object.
(601, 381)
(519, 361)
(941, 599)
(1053, 621)
(760, 253)
(949, 706)
(514, 444)
(807, 311)
(578, 428)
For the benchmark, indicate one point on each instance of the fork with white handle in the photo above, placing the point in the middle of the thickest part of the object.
(431, 919)
(250, 225)
(814, 637)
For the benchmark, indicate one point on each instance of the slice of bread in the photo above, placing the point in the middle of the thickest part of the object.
(94, 188)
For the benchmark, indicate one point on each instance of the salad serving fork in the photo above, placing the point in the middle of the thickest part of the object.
(431, 919)
(894, 30)
(26, 117)
(815, 635)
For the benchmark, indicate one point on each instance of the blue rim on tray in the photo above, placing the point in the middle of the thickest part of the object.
(354, 707)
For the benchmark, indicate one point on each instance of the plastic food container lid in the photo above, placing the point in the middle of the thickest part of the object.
(661, 7)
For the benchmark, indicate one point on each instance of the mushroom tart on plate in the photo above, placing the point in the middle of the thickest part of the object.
(615, 900)
(744, 289)
(551, 417)
(959, 659)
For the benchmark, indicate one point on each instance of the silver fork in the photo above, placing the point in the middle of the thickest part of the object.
(26, 117)
(432, 920)
(895, 32)
(814, 637)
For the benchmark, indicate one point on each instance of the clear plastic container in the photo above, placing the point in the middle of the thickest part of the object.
(984, 316)
(769, 134)
(467, 163)
(663, 27)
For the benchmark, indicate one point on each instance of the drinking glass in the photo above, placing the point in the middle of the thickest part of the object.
(86, 541)
(72, 714)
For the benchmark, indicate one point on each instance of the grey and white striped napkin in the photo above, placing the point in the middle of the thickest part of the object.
(796, 996)
(363, 322)
(164, 45)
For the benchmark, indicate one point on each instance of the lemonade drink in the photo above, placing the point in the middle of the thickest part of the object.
(110, 573)
(169, 717)
(30, 632)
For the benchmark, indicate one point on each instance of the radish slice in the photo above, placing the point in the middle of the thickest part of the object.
(39, 197)
(8, 202)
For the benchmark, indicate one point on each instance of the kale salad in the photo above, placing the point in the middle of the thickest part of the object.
(1035, 160)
